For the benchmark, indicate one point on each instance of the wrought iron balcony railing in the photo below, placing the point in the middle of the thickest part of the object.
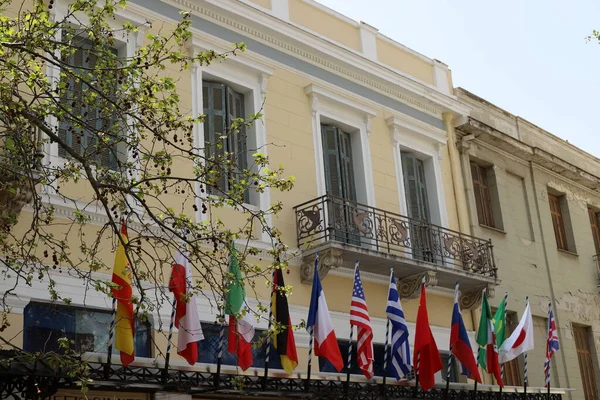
(331, 218)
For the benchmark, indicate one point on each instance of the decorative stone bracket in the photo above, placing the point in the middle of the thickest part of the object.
(328, 259)
(13, 196)
(472, 299)
(408, 287)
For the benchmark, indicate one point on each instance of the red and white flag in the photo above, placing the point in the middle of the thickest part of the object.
(521, 339)
(359, 317)
(186, 312)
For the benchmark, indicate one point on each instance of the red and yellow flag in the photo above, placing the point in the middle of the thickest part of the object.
(124, 326)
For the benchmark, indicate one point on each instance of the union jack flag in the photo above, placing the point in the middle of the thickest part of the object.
(551, 343)
(359, 317)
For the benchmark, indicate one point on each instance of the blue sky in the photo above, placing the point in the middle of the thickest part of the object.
(526, 56)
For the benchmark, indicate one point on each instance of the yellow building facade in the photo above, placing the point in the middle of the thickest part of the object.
(366, 126)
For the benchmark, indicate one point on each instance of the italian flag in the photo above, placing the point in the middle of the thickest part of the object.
(241, 331)
(486, 338)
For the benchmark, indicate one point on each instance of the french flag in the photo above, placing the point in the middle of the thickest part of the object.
(459, 342)
(319, 323)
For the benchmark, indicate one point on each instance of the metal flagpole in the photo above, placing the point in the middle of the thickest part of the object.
(525, 379)
(502, 364)
(349, 363)
(547, 348)
(448, 371)
(168, 355)
(386, 355)
(310, 348)
(268, 348)
(111, 334)
(220, 351)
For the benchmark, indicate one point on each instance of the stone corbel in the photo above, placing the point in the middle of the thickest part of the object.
(314, 104)
(472, 299)
(328, 259)
(408, 287)
(368, 123)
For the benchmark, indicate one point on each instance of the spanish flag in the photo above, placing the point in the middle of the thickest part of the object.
(124, 326)
(284, 339)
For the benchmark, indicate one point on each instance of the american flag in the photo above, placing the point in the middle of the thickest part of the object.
(359, 317)
(551, 343)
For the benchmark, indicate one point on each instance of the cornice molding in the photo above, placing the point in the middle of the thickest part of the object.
(401, 121)
(356, 103)
(328, 55)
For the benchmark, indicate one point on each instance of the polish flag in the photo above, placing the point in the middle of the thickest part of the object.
(186, 313)
(521, 339)
(319, 320)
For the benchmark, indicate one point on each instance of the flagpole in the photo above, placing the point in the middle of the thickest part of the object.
(220, 350)
(168, 355)
(310, 348)
(448, 371)
(349, 362)
(547, 351)
(386, 355)
(418, 359)
(268, 348)
(111, 335)
(502, 364)
(525, 379)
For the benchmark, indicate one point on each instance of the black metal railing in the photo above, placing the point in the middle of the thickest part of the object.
(331, 218)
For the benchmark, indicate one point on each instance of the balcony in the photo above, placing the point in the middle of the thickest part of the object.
(344, 231)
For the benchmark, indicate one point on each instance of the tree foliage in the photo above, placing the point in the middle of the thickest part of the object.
(129, 149)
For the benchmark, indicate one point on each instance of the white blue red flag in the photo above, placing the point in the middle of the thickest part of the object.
(319, 322)
(359, 317)
(552, 345)
(460, 346)
(400, 351)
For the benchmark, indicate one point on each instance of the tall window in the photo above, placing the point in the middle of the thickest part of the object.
(586, 361)
(337, 154)
(595, 228)
(483, 200)
(224, 144)
(558, 222)
(45, 323)
(415, 187)
(94, 117)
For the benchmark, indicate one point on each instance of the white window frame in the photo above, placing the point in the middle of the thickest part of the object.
(354, 117)
(249, 78)
(426, 142)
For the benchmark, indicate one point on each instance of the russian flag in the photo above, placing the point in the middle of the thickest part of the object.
(319, 321)
(459, 343)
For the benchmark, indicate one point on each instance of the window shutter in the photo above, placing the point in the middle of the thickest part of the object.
(581, 335)
(236, 140)
(415, 187)
(214, 129)
(557, 222)
(348, 186)
(483, 201)
(331, 158)
(595, 228)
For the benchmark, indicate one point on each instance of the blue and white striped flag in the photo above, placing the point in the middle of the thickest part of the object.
(400, 352)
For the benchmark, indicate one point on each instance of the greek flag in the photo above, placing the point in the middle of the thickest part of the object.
(400, 351)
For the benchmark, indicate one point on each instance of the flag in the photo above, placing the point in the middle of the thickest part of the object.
(124, 321)
(319, 321)
(186, 312)
(359, 317)
(521, 339)
(400, 353)
(551, 343)
(500, 322)
(459, 342)
(427, 358)
(241, 331)
(284, 339)
(486, 338)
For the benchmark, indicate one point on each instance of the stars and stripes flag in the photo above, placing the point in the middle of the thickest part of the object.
(359, 317)
(401, 361)
(552, 345)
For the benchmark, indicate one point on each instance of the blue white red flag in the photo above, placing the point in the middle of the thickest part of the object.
(319, 322)
(460, 346)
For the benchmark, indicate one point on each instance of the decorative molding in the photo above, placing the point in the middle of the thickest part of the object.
(400, 122)
(368, 123)
(355, 103)
(328, 259)
(472, 299)
(331, 56)
(408, 287)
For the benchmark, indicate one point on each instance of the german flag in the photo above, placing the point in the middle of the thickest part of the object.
(124, 327)
(284, 340)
